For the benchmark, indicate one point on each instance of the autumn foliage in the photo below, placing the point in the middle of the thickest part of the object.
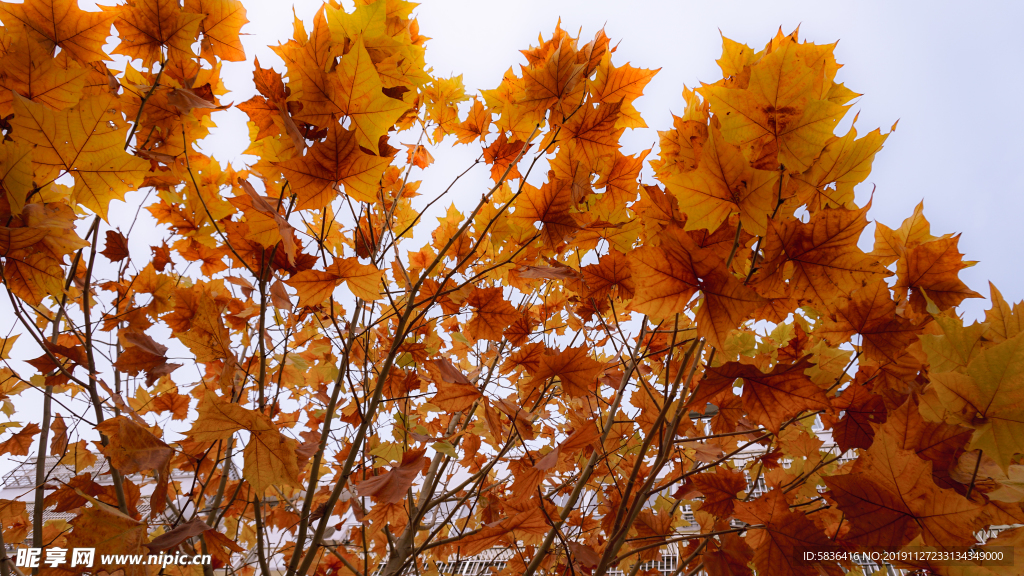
(310, 375)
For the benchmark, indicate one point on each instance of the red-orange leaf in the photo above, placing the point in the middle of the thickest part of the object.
(719, 490)
(19, 443)
(933, 267)
(784, 534)
(391, 486)
(871, 313)
(575, 368)
(336, 160)
(493, 314)
(771, 399)
(454, 398)
(890, 499)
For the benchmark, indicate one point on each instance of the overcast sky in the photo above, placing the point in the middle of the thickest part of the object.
(950, 72)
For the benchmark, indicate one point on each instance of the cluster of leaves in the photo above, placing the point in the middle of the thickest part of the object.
(563, 372)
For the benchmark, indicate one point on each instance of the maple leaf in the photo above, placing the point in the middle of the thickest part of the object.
(932, 267)
(592, 130)
(31, 70)
(554, 78)
(454, 398)
(860, 408)
(776, 120)
(86, 141)
(719, 490)
(844, 163)
(726, 303)
(314, 287)
(336, 160)
(824, 256)
(59, 438)
(730, 558)
(668, 276)
(116, 247)
(363, 280)
(956, 346)
(221, 25)
(16, 173)
(549, 205)
(61, 23)
(476, 124)
(523, 523)
(146, 26)
(19, 442)
(890, 244)
(574, 367)
(1003, 321)
(502, 155)
(132, 448)
(492, 314)
(664, 277)
(207, 338)
(890, 499)
(177, 535)
(266, 225)
(112, 534)
(269, 456)
(360, 97)
(784, 532)
(871, 313)
(418, 156)
(723, 184)
(392, 486)
(984, 397)
(622, 84)
(621, 182)
(770, 398)
(612, 271)
(78, 456)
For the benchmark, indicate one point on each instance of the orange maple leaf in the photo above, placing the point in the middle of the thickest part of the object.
(784, 533)
(770, 398)
(392, 486)
(890, 499)
(61, 23)
(19, 442)
(336, 160)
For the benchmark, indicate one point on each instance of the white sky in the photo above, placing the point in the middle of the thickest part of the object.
(950, 72)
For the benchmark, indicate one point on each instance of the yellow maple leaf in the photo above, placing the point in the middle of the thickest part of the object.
(776, 120)
(622, 84)
(207, 338)
(722, 184)
(363, 279)
(31, 70)
(844, 163)
(61, 23)
(86, 141)
(222, 22)
(988, 397)
(146, 26)
(337, 159)
(313, 286)
(16, 173)
(361, 99)
(269, 456)
(34, 277)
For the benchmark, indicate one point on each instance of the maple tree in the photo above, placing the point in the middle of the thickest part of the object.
(560, 371)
